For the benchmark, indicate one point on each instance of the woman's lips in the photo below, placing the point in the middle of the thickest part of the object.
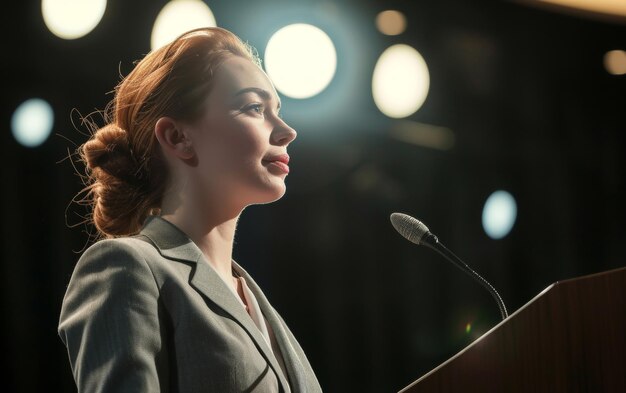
(278, 164)
(280, 161)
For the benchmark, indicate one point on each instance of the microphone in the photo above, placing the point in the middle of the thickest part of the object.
(416, 232)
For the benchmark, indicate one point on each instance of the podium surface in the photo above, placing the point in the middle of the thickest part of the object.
(569, 338)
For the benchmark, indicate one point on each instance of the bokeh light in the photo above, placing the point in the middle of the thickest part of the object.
(301, 60)
(421, 134)
(607, 7)
(615, 62)
(32, 122)
(177, 17)
(71, 19)
(391, 22)
(400, 81)
(499, 214)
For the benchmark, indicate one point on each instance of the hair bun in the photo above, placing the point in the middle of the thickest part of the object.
(114, 182)
(109, 151)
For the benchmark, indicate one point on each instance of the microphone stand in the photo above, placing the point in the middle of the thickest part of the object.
(432, 242)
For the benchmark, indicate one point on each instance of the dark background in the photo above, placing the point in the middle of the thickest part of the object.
(532, 109)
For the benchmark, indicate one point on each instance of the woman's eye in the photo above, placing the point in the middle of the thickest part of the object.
(258, 108)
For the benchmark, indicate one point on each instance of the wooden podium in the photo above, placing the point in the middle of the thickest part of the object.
(569, 338)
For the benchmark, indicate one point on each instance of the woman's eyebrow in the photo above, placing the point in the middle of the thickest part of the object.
(261, 92)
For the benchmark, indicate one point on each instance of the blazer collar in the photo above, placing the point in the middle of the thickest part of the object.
(174, 244)
(295, 368)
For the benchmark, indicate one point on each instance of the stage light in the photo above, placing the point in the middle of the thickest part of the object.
(615, 62)
(391, 22)
(400, 81)
(177, 17)
(32, 122)
(301, 60)
(71, 19)
(499, 214)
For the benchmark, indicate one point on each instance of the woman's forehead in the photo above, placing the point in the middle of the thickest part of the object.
(237, 73)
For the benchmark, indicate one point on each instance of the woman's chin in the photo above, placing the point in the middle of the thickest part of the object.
(267, 192)
(277, 192)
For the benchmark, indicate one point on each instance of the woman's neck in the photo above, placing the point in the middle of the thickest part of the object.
(212, 232)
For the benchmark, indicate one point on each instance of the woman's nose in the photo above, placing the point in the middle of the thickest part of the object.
(283, 133)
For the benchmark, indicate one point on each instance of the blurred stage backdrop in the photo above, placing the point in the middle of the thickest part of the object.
(500, 124)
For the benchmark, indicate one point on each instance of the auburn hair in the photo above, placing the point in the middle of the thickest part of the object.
(126, 175)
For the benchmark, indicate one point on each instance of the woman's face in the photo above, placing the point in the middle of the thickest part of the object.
(238, 132)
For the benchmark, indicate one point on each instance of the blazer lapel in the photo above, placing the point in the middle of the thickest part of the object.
(292, 362)
(174, 244)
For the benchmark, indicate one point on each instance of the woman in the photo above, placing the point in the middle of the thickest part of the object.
(159, 305)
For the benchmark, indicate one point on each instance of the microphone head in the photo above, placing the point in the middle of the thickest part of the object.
(411, 228)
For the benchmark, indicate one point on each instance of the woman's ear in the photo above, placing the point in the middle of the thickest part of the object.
(173, 139)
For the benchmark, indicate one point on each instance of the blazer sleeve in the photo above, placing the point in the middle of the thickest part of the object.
(110, 324)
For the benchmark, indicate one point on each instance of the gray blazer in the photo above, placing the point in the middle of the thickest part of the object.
(147, 313)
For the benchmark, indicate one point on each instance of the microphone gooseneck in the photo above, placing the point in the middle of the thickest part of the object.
(416, 232)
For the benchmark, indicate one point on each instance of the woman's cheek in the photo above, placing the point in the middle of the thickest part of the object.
(250, 144)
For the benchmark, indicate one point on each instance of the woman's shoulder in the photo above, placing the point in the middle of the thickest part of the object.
(111, 284)
(107, 269)
(112, 249)
(131, 246)
(122, 253)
